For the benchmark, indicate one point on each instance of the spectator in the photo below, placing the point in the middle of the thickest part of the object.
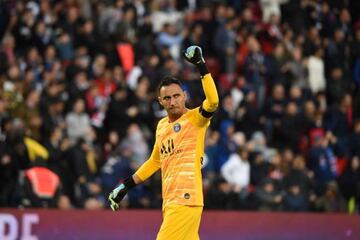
(78, 86)
(169, 37)
(135, 141)
(258, 144)
(270, 8)
(268, 198)
(274, 110)
(299, 186)
(53, 116)
(259, 169)
(296, 70)
(337, 52)
(87, 36)
(8, 51)
(294, 199)
(277, 61)
(256, 69)
(196, 36)
(316, 72)
(236, 171)
(221, 196)
(78, 122)
(290, 130)
(338, 86)
(224, 41)
(248, 115)
(337, 118)
(84, 167)
(332, 201)
(116, 168)
(29, 112)
(209, 160)
(120, 109)
(322, 160)
(8, 175)
(355, 139)
(350, 184)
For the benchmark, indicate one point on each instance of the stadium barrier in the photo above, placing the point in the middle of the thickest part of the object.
(144, 224)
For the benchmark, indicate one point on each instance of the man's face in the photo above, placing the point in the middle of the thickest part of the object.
(172, 98)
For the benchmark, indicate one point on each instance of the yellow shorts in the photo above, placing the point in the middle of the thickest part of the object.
(180, 223)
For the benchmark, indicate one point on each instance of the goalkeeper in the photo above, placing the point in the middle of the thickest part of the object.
(178, 152)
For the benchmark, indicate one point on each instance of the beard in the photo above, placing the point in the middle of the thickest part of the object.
(175, 112)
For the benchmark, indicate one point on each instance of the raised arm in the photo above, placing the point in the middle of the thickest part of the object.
(211, 101)
(193, 54)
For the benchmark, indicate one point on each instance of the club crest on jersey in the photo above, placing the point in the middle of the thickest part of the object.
(177, 127)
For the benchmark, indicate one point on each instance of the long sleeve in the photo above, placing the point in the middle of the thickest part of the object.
(211, 102)
(151, 165)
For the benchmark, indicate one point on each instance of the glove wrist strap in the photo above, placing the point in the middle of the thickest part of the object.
(202, 69)
(129, 183)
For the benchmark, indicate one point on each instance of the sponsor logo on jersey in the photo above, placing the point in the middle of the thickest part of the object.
(168, 147)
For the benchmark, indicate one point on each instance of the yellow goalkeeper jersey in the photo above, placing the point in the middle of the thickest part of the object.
(178, 151)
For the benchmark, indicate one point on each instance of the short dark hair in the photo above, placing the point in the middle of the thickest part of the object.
(167, 81)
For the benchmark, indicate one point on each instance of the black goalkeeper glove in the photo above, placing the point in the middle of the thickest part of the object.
(119, 193)
(193, 54)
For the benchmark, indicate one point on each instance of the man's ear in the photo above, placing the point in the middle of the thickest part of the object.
(185, 96)
(159, 100)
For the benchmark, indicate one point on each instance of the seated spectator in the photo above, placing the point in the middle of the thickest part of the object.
(267, 197)
(316, 70)
(169, 37)
(77, 122)
(9, 171)
(350, 184)
(355, 139)
(337, 119)
(274, 110)
(116, 168)
(290, 129)
(332, 201)
(299, 184)
(296, 70)
(29, 112)
(236, 171)
(258, 143)
(248, 115)
(295, 200)
(338, 86)
(323, 161)
(136, 143)
(83, 163)
(221, 195)
(259, 168)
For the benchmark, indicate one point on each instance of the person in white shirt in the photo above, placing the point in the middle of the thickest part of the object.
(316, 70)
(78, 122)
(236, 171)
(271, 7)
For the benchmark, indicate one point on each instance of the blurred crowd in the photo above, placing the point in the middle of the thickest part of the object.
(78, 100)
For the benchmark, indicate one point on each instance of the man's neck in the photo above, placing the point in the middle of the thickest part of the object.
(173, 118)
